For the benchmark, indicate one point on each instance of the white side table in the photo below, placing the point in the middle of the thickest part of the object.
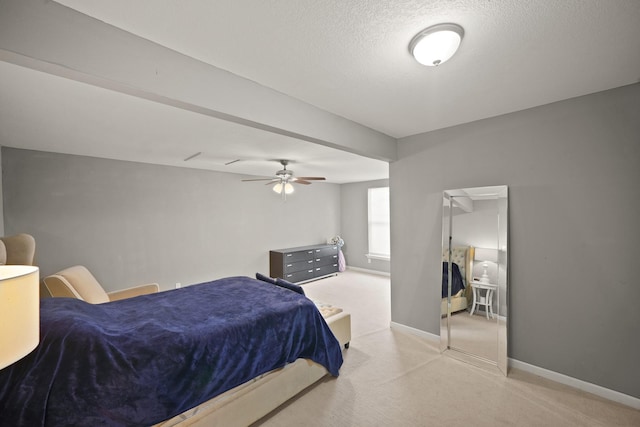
(481, 298)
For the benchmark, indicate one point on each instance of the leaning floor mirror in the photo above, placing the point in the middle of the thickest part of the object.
(474, 276)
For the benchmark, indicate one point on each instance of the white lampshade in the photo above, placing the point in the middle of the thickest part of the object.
(485, 254)
(19, 312)
(436, 44)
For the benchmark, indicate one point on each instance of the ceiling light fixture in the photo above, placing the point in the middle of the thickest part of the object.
(288, 188)
(436, 44)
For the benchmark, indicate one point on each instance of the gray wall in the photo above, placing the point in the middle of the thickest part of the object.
(133, 223)
(354, 200)
(571, 168)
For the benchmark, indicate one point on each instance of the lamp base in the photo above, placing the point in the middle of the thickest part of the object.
(485, 276)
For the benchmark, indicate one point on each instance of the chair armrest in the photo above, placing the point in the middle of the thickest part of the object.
(58, 286)
(151, 288)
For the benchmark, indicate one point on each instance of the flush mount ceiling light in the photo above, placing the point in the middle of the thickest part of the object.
(436, 44)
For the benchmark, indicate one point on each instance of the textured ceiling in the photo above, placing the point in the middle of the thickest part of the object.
(351, 57)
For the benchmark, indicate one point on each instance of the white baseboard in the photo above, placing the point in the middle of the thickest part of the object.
(413, 331)
(600, 391)
(365, 270)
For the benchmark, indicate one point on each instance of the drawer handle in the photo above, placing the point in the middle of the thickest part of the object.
(289, 254)
(289, 265)
(310, 262)
(335, 265)
(317, 250)
(310, 271)
(317, 259)
(289, 275)
(335, 256)
(310, 252)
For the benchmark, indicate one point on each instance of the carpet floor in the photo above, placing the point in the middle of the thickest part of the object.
(390, 378)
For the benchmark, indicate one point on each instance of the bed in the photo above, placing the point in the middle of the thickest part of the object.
(225, 352)
(462, 296)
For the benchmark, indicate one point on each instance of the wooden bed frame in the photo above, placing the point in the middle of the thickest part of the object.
(258, 397)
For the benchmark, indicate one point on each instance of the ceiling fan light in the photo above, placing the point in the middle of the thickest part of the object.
(437, 44)
(288, 188)
(278, 188)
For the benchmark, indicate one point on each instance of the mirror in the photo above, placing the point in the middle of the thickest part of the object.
(474, 275)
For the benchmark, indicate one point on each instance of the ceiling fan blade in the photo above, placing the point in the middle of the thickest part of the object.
(258, 179)
(311, 178)
(272, 181)
(301, 181)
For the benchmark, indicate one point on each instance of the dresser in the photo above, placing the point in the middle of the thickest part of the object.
(304, 263)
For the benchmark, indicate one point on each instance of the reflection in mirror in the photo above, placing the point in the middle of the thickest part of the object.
(474, 275)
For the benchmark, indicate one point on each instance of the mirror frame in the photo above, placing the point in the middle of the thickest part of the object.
(500, 194)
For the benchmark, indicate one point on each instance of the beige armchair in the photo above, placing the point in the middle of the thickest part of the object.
(17, 250)
(78, 282)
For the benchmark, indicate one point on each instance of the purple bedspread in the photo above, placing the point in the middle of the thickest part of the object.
(146, 359)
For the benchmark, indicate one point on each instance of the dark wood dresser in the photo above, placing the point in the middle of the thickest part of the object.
(304, 263)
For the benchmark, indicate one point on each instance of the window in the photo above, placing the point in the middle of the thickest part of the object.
(379, 235)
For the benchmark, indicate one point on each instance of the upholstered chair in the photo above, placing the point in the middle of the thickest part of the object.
(17, 250)
(78, 282)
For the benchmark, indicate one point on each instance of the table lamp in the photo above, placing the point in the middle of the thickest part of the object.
(19, 312)
(486, 256)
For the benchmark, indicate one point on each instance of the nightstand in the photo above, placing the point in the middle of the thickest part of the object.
(483, 296)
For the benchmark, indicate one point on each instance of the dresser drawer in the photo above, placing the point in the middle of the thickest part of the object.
(325, 251)
(326, 269)
(299, 276)
(290, 267)
(298, 256)
(331, 259)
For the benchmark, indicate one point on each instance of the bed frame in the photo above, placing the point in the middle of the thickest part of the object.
(463, 256)
(258, 397)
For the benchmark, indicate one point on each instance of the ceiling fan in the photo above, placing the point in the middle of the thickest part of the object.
(284, 180)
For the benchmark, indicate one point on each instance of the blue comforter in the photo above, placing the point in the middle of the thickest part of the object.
(456, 279)
(146, 359)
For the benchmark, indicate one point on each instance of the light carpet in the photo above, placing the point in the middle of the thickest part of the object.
(390, 378)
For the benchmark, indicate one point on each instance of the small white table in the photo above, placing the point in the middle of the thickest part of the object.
(485, 300)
